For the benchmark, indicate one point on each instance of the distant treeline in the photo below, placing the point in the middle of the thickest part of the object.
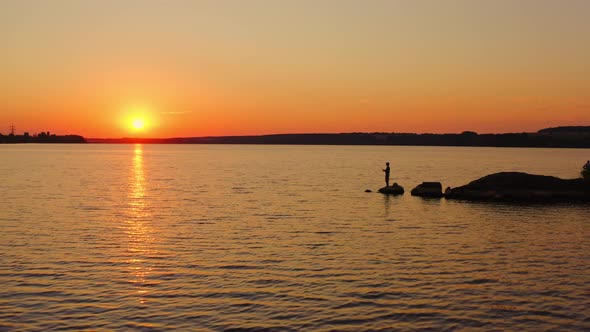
(566, 130)
(560, 137)
(43, 137)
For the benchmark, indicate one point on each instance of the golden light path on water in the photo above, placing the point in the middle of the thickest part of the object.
(139, 231)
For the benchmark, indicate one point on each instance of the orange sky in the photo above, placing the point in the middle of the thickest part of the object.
(196, 68)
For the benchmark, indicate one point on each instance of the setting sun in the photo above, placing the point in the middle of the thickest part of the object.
(138, 124)
(138, 119)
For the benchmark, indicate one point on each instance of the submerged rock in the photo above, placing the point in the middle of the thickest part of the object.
(516, 186)
(428, 189)
(394, 189)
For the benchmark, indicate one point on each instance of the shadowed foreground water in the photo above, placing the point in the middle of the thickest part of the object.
(162, 237)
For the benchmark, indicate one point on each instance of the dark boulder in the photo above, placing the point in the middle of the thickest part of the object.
(428, 189)
(516, 186)
(394, 189)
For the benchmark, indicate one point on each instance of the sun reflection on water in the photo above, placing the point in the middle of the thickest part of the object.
(139, 229)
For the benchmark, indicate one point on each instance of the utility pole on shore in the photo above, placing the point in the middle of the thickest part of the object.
(12, 130)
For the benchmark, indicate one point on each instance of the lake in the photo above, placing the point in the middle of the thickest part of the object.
(246, 237)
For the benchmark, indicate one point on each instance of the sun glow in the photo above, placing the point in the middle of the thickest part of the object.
(138, 119)
(138, 123)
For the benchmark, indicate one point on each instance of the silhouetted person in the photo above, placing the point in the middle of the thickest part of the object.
(587, 166)
(387, 170)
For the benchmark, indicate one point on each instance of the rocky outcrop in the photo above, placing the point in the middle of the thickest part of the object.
(428, 189)
(394, 189)
(515, 186)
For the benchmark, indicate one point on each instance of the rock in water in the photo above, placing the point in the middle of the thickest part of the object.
(394, 189)
(428, 189)
(515, 186)
(368, 191)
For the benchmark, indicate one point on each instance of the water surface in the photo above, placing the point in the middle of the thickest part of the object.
(214, 237)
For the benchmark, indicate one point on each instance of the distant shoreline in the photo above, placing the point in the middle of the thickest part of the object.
(41, 138)
(558, 137)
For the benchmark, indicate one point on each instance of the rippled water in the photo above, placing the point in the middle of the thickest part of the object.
(197, 237)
